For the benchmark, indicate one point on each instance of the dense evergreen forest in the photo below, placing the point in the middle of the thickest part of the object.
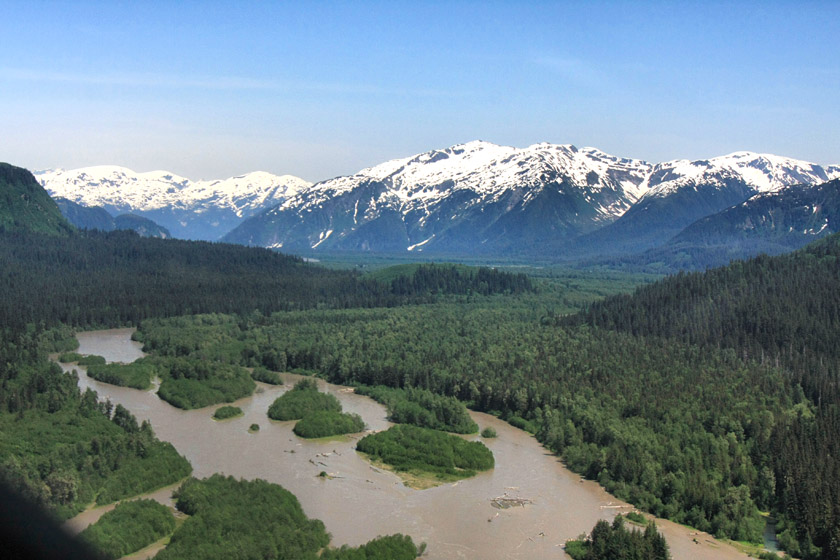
(680, 431)
(783, 311)
(64, 450)
(119, 278)
(703, 432)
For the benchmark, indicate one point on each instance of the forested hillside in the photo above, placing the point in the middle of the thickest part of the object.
(25, 205)
(781, 311)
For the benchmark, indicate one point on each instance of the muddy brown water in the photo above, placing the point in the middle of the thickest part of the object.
(456, 521)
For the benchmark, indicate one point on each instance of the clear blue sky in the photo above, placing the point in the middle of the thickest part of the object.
(319, 89)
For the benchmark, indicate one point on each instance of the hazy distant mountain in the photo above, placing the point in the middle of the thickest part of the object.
(96, 217)
(189, 209)
(143, 226)
(25, 206)
(547, 200)
(85, 217)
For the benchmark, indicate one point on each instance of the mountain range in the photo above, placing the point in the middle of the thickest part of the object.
(203, 210)
(477, 198)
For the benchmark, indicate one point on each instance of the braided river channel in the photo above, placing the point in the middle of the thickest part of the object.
(358, 502)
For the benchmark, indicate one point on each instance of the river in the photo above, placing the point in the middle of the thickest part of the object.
(457, 521)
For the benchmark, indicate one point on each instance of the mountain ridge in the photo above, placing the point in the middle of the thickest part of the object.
(478, 197)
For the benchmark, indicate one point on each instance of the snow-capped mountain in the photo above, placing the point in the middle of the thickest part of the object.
(480, 197)
(680, 192)
(470, 197)
(189, 209)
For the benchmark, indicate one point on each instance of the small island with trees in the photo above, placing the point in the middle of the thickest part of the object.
(226, 412)
(319, 414)
(423, 457)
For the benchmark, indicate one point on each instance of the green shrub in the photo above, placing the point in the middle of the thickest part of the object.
(92, 360)
(194, 383)
(636, 518)
(325, 423)
(254, 428)
(69, 357)
(488, 432)
(137, 375)
(227, 412)
(266, 376)
(577, 549)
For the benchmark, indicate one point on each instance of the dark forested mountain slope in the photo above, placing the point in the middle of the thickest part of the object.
(143, 226)
(776, 307)
(787, 219)
(769, 223)
(25, 205)
(655, 219)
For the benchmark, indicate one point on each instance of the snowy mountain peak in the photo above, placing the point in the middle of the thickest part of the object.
(761, 172)
(486, 168)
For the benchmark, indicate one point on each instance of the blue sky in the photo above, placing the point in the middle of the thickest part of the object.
(319, 89)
